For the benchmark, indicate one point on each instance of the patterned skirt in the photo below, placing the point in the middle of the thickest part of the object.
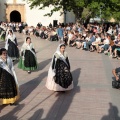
(29, 62)
(8, 88)
(63, 76)
(13, 51)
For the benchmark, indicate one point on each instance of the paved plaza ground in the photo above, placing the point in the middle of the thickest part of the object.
(92, 98)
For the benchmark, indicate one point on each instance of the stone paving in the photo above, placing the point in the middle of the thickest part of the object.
(92, 98)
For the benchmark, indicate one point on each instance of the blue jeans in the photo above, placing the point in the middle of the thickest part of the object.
(105, 47)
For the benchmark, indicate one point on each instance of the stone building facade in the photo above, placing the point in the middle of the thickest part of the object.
(19, 11)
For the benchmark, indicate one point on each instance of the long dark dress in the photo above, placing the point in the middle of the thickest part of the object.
(7, 85)
(30, 60)
(63, 76)
(13, 51)
(29, 63)
(9, 88)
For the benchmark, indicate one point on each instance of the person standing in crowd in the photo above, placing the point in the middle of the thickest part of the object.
(12, 46)
(60, 33)
(3, 32)
(28, 59)
(50, 25)
(7, 31)
(59, 75)
(39, 25)
(9, 88)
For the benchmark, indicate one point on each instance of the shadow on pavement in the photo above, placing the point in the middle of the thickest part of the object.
(12, 114)
(2, 107)
(27, 112)
(62, 104)
(37, 115)
(59, 108)
(43, 64)
(28, 87)
(112, 113)
(26, 90)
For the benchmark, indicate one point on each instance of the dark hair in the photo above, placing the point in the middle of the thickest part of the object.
(11, 31)
(112, 37)
(28, 38)
(62, 45)
(108, 35)
(1, 50)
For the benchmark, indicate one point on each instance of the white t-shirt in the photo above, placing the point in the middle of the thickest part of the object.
(70, 36)
(87, 39)
(98, 39)
(30, 29)
(106, 41)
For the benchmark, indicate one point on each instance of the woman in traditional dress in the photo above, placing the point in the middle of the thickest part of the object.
(9, 92)
(59, 75)
(3, 32)
(28, 59)
(7, 31)
(12, 46)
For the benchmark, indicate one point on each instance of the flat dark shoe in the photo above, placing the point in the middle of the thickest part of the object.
(114, 57)
(62, 91)
(13, 104)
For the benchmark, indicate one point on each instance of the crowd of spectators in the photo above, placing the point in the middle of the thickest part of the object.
(99, 38)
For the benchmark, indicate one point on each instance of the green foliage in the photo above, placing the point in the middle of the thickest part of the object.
(109, 8)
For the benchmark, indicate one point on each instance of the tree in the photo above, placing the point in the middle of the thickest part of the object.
(108, 8)
(66, 5)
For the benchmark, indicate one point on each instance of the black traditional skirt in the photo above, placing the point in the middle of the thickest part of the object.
(13, 51)
(63, 75)
(8, 88)
(30, 60)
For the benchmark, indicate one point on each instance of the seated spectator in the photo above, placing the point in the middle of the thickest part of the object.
(111, 46)
(36, 33)
(68, 28)
(105, 45)
(95, 44)
(116, 48)
(30, 30)
(53, 35)
(72, 39)
(79, 42)
(70, 35)
(86, 40)
(95, 30)
(89, 43)
(45, 34)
